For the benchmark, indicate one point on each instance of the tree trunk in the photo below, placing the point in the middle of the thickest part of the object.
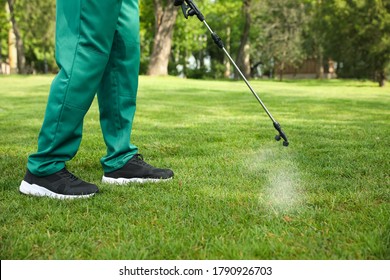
(320, 64)
(282, 64)
(21, 58)
(318, 42)
(382, 78)
(243, 56)
(12, 52)
(165, 18)
(281, 71)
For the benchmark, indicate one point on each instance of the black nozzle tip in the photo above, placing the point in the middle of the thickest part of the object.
(278, 138)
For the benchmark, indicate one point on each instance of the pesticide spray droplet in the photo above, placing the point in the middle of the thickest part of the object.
(282, 188)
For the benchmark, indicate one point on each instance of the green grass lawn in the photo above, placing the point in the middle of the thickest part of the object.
(237, 193)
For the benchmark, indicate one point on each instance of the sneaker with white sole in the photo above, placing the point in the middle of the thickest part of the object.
(60, 185)
(136, 170)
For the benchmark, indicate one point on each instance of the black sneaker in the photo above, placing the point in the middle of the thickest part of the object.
(137, 171)
(60, 185)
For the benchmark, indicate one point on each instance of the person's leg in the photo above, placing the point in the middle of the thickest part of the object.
(84, 34)
(117, 102)
(118, 90)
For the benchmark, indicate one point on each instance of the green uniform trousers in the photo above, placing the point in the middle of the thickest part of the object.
(97, 51)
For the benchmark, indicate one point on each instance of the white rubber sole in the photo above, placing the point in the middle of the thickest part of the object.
(36, 190)
(124, 181)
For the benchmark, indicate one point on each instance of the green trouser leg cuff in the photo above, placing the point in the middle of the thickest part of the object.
(117, 162)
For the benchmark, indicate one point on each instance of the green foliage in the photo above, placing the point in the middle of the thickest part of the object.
(281, 24)
(354, 33)
(36, 19)
(226, 19)
(192, 38)
(237, 194)
(146, 32)
(4, 28)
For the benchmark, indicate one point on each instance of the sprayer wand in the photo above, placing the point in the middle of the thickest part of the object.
(189, 9)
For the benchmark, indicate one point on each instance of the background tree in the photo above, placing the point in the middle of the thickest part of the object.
(354, 33)
(165, 17)
(21, 58)
(189, 46)
(37, 22)
(195, 49)
(4, 29)
(32, 23)
(243, 55)
(314, 35)
(282, 23)
(147, 30)
(360, 42)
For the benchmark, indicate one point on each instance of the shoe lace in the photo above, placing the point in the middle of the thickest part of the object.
(140, 160)
(66, 174)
